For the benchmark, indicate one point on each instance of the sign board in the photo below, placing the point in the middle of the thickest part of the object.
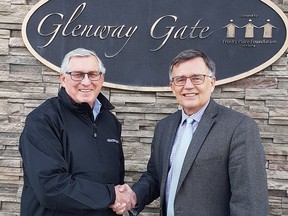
(137, 39)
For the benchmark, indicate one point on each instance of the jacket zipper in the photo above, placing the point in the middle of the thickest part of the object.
(94, 130)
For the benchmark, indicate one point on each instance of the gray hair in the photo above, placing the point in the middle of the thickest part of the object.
(190, 54)
(80, 52)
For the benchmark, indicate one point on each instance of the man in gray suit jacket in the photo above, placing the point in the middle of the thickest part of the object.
(223, 172)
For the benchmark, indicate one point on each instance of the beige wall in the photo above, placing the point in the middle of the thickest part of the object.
(25, 83)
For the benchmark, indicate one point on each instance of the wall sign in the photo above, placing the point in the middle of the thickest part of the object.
(137, 39)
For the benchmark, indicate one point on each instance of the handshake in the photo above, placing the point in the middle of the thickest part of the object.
(125, 199)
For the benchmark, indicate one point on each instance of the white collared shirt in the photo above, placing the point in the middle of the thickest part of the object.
(96, 108)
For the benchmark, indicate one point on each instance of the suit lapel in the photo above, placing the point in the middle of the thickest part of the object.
(167, 148)
(199, 136)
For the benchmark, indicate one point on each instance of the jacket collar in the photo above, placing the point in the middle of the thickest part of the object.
(83, 107)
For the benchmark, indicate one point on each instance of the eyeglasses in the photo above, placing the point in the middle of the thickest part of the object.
(79, 76)
(196, 79)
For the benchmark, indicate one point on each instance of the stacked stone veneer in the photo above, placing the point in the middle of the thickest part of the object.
(25, 83)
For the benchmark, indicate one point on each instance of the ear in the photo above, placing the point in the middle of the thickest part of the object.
(213, 84)
(172, 88)
(62, 80)
(102, 77)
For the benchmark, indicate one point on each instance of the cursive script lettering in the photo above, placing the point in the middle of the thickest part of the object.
(158, 31)
(72, 28)
(182, 33)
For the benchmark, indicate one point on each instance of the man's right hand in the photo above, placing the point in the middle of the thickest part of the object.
(125, 199)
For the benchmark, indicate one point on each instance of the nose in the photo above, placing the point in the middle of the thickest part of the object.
(188, 83)
(86, 80)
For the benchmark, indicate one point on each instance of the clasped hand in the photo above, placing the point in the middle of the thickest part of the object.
(125, 199)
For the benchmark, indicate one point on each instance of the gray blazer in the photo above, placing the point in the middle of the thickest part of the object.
(223, 172)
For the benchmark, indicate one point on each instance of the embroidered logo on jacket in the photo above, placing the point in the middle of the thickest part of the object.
(112, 141)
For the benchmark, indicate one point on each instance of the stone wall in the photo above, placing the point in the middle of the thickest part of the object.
(25, 83)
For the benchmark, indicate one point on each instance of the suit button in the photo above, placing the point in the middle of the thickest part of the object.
(179, 212)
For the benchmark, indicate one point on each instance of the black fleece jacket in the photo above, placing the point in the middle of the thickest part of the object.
(71, 162)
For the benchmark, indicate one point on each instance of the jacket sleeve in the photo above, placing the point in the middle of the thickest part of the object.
(122, 159)
(48, 173)
(248, 180)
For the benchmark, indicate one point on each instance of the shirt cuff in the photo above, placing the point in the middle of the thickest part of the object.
(132, 212)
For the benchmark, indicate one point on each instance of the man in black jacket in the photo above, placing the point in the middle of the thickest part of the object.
(71, 147)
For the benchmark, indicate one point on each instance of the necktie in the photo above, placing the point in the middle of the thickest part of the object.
(175, 170)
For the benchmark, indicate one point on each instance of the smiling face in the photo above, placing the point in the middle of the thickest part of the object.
(85, 91)
(192, 97)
